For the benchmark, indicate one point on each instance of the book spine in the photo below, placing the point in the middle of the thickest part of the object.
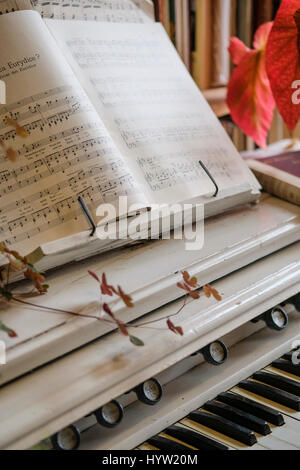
(179, 27)
(172, 21)
(221, 35)
(263, 12)
(201, 60)
(166, 19)
(245, 21)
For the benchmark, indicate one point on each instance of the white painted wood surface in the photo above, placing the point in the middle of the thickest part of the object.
(41, 403)
(192, 389)
(149, 273)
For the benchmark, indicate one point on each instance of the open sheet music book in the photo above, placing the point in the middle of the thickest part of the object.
(119, 11)
(109, 112)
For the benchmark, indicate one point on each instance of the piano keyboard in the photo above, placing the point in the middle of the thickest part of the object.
(260, 413)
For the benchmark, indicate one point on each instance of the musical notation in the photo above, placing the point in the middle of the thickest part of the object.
(29, 226)
(137, 132)
(114, 11)
(181, 168)
(67, 154)
(114, 92)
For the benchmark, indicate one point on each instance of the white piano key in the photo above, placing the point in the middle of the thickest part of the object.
(218, 436)
(289, 437)
(272, 442)
(282, 373)
(171, 438)
(147, 446)
(290, 432)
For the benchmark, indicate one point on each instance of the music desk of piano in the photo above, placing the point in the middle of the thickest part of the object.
(62, 368)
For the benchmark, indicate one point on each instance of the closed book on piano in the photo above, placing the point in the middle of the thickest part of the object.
(279, 174)
(109, 112)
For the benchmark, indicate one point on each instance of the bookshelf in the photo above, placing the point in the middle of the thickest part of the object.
(204, 28)
(217, 100)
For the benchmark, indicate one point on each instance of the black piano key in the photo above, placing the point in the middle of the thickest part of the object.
(194, 439)
(286, 367)
(250, 406)
(278, 381)
(224, 426)
(278, 396)
(162, 443)
(239, 417)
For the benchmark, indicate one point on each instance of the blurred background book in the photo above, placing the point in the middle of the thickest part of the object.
(201, 30)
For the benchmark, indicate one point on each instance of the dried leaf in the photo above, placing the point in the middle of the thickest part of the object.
(125, 297)
(211, 291)
(207, 291)
(122, 328)
(195, 294)
(91, 273)
(107, 310)
(106, 289)
(216, 295)
(11, 333)
(20, 131)
(175, 329)
(37, 279)
(11, 154)
(136, 341)
(190, 281)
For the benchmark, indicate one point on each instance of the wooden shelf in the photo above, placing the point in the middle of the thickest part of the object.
(216, 97)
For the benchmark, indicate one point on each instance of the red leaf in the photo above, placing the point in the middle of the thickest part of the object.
(126, 298)
(190, 281)
(211, 291)
(91, 273)
(207, 291)
(105, 288)
(108, 311)
(11, 333)
(237, 50)
(282, 60)
(175, 329)
(192, 293)
(37, 279)
(250, 98)
(123, 329)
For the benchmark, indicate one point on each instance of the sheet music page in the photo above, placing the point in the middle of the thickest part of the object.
(114, 11)
(157, 116)
(68, 152)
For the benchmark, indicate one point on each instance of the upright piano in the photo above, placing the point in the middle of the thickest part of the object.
(231, 382)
